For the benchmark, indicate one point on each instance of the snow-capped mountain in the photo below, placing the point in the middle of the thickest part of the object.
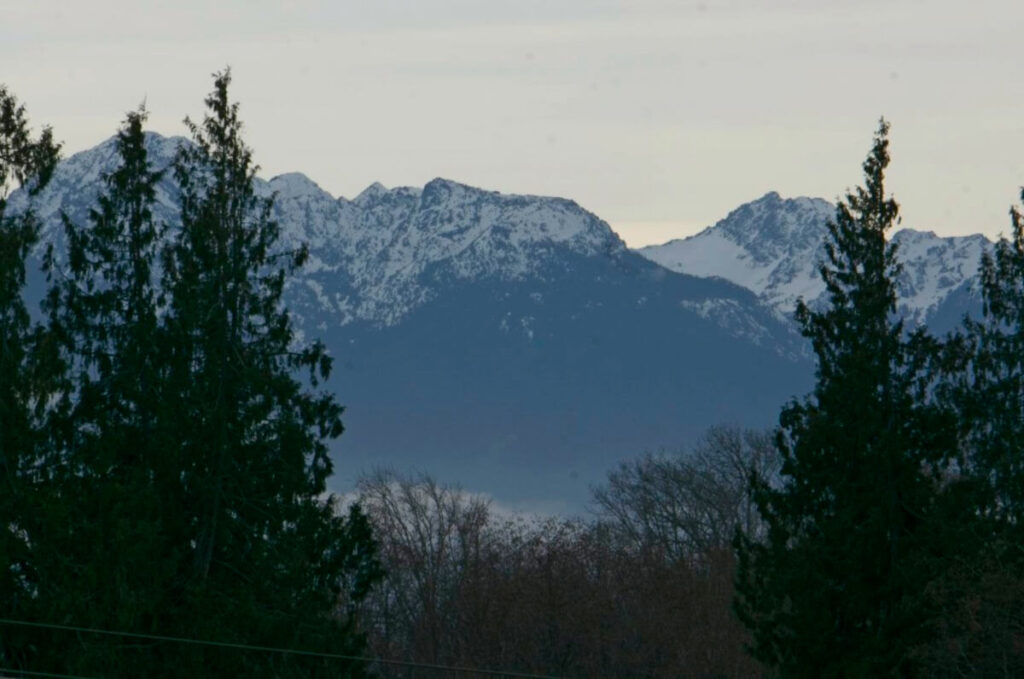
(769, 246)
(512, 343)
(392, 245)
(78, 179)
(382, 254)
(382, 242)
(773, 246)
(939, 280)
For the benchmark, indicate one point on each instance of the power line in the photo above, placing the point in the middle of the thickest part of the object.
(29, 673)
(264, 649)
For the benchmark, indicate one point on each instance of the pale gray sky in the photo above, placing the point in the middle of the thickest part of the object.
(658, 116)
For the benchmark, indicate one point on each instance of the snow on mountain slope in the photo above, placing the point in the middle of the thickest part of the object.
(387, 240)
(774, 246)
(77, 180)
(378, 256)
(382, 243)
(934, 267)
(769, 246)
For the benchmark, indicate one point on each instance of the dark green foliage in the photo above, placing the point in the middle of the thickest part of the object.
(994, 398)
(269, 562)
(107, 560)
(23, 161)
(29, 163)
(834, 588)
(979, 625)
(24, 374)
(182, 461)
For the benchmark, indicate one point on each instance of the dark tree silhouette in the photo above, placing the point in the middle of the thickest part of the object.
(832, 588)
(27, 367)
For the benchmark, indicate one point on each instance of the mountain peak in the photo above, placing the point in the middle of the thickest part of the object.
(451, 209)
(438, 183)
(162, 149)
(773, 246)
(294, 185)
(399, 242)
(370, 193)
(440, 190)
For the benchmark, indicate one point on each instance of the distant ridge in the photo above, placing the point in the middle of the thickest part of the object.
(773, 247)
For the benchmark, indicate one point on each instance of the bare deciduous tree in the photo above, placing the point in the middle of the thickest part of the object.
(689, 504)
(429, 534)
(472, 588)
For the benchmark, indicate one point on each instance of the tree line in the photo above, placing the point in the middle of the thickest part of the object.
(640, 588)
(163, 457)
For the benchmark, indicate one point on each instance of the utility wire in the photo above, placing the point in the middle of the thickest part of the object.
(265, 649)
(28, 673)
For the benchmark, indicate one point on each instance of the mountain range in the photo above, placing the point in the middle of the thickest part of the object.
(515, 344)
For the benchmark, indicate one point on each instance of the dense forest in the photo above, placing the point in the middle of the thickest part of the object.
(163, 452)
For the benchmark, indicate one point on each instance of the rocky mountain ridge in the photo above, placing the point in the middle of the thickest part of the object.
(382, 240)
(774, 246)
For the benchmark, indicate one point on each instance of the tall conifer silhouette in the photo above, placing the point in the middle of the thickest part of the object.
(830, 592)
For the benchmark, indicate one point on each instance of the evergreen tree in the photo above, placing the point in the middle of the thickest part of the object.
(108, 559)
(994, 398)
(833, 590)
(980, 618)
(269, 562)
(185, 461)
(24, 373)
